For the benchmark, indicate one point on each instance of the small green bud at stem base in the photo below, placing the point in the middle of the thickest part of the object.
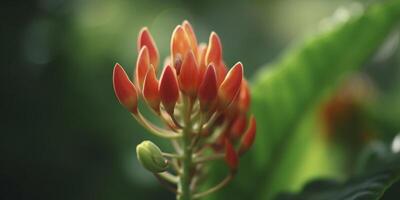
(150, 156)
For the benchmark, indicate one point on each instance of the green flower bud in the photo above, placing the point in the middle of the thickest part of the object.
(150, 156)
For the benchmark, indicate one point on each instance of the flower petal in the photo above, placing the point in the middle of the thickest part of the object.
(189, 75)
(202, 59)
(230, 86)
(145, 39)
(169, 89)
(208, 89)
(244, 97)
(179, 45)
(214, 51)
(124, 89)
(239, 126)
(191, 36)
(231, 157)
(249, 136)
(142, 66)
(150, 90)
(221, 72)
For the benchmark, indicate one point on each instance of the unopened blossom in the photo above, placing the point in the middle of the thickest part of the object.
(203, 103)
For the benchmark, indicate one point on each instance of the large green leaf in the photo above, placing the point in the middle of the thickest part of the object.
(284, 91)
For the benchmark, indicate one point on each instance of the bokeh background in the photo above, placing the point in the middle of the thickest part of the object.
(63, 133)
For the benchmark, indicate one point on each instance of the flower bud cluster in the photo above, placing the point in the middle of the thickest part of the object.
(203, 103)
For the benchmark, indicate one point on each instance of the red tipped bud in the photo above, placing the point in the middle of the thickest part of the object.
(202, 59)
(244, 97)
(124, 89)
(239, 126)
(231, 157)
(230, 86)
(142, 66)
(189, 75)
(150, 90)
(145, 39)
(179, 44)
(169, 89)
(214, 51)
(249, 136)
(191, 36)
(221, 71)
(208, 89)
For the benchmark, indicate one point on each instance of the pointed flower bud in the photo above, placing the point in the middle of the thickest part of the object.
(191, 36)
(142, 66)
(221, 71)
(150, 156)
(150, 90)
(238, 126)
(208, 89)
(124, 89)
(145, 39)
(214, 55)
(249, 136)
(231, 157)
(189, 75)
(169, 89)
(214, 51)
(230, 86)
(179, 44)
(202, 59)
(244, 97)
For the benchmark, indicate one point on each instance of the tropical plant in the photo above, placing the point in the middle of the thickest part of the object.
(287, 97)
(203, 105)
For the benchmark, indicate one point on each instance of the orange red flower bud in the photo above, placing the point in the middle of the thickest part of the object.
(208, 89)
(180, 45)
(191, 36)
(238, 127)
(214, 51)
(221, 71)
(244, 97)
(202, 59)
(230, 86)
(169, 89)
(150, 90)
(189, 75)
(249, 136)
(145, 39)
(124, 89)
(142, 66)
(231, 157)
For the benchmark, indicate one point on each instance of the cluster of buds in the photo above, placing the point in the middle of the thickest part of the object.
(202, 104)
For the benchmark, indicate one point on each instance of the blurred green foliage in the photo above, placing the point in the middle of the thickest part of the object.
(64, 136)
(285, 93)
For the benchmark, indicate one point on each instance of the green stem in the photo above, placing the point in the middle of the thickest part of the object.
(168, 177)
(220, 185)
(154, 129)
(184, 183)
(171, 155)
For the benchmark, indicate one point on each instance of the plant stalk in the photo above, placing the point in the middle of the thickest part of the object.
(184, 192)
(184, 181)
